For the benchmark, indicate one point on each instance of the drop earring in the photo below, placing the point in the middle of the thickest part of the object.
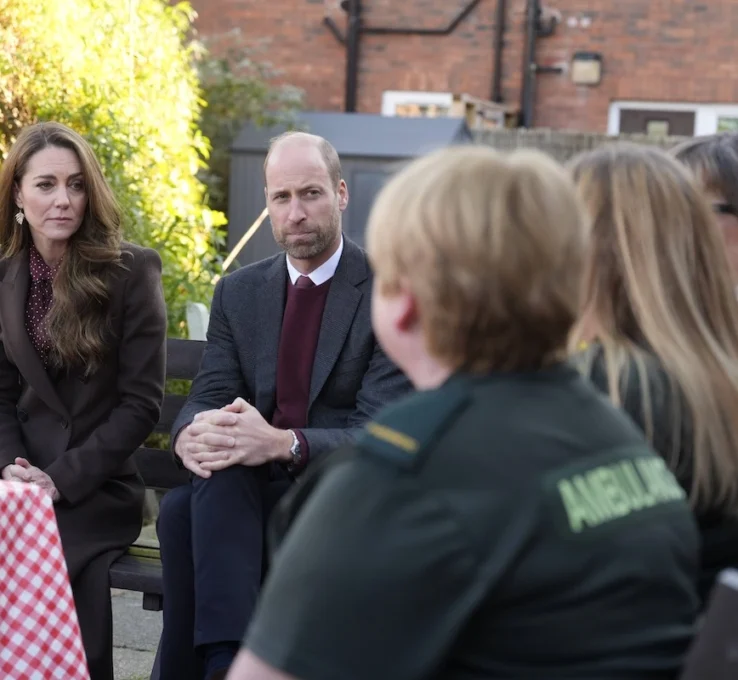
(19, 217)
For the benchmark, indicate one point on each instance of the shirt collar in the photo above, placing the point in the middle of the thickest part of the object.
(40, 271)
(322, 273)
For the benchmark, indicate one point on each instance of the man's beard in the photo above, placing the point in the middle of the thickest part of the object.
(322, 239)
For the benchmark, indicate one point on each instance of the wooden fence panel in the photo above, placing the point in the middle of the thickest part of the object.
(562, 145)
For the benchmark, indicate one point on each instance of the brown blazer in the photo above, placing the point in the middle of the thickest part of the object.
(82, 431)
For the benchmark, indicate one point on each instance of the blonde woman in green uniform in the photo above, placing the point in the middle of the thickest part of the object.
(661, 319)
(505, 521)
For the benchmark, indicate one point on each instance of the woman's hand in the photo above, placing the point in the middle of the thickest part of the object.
(23, 471)
(15, 473)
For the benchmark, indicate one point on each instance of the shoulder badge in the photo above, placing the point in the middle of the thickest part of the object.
(402, 431)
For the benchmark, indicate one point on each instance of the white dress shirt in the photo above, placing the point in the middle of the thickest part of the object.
(322, 273)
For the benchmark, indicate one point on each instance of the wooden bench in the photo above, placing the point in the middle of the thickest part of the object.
(140, 569)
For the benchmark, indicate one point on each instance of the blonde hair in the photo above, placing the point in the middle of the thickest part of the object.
(491, 246)
(657, 282)
(78, 323)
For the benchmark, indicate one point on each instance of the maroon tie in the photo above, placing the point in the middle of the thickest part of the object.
(304, 282)
(297, 343)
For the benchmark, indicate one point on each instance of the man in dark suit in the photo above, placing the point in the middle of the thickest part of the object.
(291, 370)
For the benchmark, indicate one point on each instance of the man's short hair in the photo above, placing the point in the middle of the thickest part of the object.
(327, 151)
(492, 247)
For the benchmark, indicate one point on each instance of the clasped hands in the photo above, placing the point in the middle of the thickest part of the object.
(23, 471)
(236, 434)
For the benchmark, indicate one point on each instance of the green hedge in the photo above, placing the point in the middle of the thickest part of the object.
(125, 75)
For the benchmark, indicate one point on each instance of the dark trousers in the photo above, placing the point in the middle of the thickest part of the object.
(211, 533)
(91, 591)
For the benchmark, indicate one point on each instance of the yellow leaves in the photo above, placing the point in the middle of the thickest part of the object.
(120, 72)
(123, 74)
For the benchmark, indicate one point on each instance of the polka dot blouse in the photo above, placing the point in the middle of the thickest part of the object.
(40, 297)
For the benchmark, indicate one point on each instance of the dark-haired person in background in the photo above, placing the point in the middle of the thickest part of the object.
(714, 161)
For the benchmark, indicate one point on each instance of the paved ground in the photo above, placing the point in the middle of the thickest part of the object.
(135, 636)
(135, 631)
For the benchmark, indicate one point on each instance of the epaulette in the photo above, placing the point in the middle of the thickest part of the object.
(403, 431)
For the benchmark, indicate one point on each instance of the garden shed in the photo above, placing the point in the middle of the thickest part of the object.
(370, 146)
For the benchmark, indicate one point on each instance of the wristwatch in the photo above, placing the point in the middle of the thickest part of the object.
(295, 452)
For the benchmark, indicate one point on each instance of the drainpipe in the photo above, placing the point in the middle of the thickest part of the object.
(498, 47)
(356, 28)
(527, 98)
(352, 54)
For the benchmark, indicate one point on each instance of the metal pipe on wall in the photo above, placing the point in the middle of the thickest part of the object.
(499, 44)
(352, 54)
(356, 28)
(527, 95)
(446, 30)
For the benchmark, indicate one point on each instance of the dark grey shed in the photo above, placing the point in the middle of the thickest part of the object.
(370, 147)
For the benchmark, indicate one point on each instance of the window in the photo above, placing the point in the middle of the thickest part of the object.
(727, 124)
(421, 110)
(656, 123)
(415, 104)
(657, 128)
(681, 118)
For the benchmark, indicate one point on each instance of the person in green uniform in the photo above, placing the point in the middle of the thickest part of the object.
(505, 520)
(660, 323)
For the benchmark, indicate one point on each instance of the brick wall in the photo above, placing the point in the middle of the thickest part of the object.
(663, 50)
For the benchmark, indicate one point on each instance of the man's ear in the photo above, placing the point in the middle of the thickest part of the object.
(343, 195)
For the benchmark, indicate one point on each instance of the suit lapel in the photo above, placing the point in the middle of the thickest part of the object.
(270, 310)
(13, 295)
(338, 315)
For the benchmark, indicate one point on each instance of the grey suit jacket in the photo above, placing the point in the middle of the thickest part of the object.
(351, 378)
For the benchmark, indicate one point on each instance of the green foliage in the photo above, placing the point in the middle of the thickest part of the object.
(123, 75)
(149, 100)
(173, 386)
(237, 89)
(127, 77)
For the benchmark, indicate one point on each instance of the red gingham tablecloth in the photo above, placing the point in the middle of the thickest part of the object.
(39, 632)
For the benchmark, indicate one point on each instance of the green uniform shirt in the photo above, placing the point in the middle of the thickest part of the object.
(508, 526)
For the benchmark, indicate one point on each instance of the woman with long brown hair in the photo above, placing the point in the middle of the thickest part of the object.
(661, 318)
(82, 359)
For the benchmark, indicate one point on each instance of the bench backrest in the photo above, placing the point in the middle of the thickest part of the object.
(156, 465)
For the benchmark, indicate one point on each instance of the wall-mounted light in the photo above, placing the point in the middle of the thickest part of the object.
(586, 68)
